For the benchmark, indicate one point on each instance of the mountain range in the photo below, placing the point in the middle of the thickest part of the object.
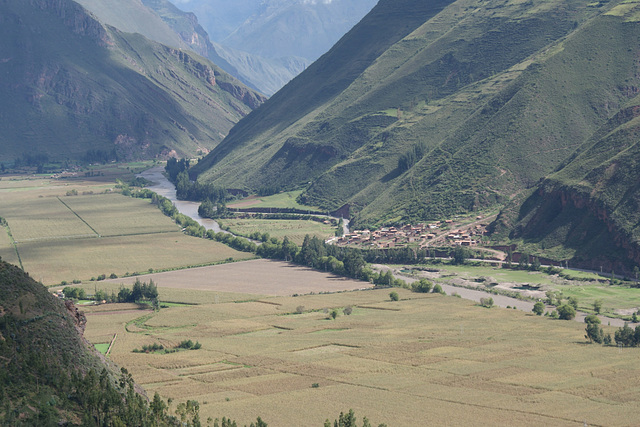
(270, 42)
(75, 88)
(426, 110)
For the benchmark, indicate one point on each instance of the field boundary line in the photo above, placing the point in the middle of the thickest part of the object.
(142, 234)
(369, 307)
(79, 217)
(277, 304)
(113, 340)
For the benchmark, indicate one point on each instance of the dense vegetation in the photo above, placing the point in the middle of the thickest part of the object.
(177, 170)
(49, 375)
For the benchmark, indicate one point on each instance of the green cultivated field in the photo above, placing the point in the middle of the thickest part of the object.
(294, 229)
(281, 200)
(617, 300)
(64, 237)
(425, 357)
(500, 274)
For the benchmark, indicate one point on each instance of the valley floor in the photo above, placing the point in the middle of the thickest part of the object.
(425, 357)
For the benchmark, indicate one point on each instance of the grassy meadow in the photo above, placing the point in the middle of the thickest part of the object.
(295, 230)
(587, 287)
(281, 200)
(93, 232)
(425, 357)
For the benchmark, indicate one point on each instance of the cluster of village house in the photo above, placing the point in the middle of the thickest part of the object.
(421, 234)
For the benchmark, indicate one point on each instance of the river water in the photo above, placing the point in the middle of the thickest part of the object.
(163, 187)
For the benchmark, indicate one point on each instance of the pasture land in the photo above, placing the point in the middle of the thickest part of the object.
(280, 200)
(425, 357)
(63, 237)
(586, 287)
(295, 230)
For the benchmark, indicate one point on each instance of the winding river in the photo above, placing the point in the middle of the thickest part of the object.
(163, 187)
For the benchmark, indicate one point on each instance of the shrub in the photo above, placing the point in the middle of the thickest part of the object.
(423, 286)
(597, 306)
(566, 312)
(538, 308)
(573, 302)
(594, 333)
(334, 314)
(486, 302)
(394, 296)
(186, 344)
(437, 289)
(347, 310)
(592, 318)
(300, 309)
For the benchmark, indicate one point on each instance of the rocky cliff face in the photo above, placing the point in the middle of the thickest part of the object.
(558, 215)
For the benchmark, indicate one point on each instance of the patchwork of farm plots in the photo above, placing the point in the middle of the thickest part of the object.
(425, 357)
(65, 237)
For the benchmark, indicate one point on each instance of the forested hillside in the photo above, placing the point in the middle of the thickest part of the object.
(48, 374)
(76, 89)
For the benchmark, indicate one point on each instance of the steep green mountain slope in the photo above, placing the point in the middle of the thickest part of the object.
(590, 209)
(427, 109)
(71, 85)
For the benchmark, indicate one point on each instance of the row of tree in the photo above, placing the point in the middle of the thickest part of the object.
(141, 291)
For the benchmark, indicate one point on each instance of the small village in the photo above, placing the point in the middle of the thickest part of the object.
(424, 235)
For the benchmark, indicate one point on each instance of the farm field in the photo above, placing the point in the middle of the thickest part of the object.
(53, 261)
(234, 281)
(425, 357)
(295, 230)
(281, 200)
(67, 237)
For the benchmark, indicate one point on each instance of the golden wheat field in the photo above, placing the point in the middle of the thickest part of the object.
(424, 360)
(64, 237)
